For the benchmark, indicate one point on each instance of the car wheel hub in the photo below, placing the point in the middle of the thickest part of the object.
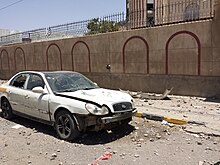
(64, 125)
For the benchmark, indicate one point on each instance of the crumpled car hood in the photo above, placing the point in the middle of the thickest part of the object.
(100, 96)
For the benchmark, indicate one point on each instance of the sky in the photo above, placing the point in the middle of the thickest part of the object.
(33, 14)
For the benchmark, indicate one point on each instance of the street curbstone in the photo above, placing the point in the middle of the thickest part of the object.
(175, 120)
(166, 118)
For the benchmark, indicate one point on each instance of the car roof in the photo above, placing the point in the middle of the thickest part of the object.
(44, 72)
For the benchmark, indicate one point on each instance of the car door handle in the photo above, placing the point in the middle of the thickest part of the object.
(27, 96)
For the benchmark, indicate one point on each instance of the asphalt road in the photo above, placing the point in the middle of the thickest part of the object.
(141, 142)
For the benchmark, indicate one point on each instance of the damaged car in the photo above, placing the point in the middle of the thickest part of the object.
(67, 100)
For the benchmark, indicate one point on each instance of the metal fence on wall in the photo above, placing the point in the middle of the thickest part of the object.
(163, 13)
(74, 29)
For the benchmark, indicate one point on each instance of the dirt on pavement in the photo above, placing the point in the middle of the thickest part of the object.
(24, 142)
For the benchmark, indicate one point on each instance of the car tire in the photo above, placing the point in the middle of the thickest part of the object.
(6, 109)
(65, 126)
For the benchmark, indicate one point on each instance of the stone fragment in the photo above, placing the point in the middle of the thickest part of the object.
(34, 130)
(158, 136)
(199, 143)
(145, 135)
(208, 148)
(155, 153)
(136, 156)
(53, 156)
(138, 145)
(114, 152)
(29, 134)
(201, 162)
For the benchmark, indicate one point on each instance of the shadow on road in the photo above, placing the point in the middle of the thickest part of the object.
(105, 136)
(87, 138)
(215, 99)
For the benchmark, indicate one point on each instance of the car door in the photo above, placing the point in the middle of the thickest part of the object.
(17, 92)
(37, 103)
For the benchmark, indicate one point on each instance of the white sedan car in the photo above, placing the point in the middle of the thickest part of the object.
(66, 100)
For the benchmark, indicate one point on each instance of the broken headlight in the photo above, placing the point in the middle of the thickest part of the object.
(95, 110)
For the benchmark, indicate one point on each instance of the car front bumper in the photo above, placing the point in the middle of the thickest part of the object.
(117, 117)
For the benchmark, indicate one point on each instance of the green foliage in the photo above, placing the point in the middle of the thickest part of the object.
(96, 26)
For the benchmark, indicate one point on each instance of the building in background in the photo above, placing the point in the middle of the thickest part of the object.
(170, 11)
(8, 36)
(4, 32)
(139, 13)
(145, 13)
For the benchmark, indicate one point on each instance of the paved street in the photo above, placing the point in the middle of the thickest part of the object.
(142, 142)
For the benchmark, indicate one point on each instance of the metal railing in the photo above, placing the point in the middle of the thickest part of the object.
(174, 12)
(74, 29)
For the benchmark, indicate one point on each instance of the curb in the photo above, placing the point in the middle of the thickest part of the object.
(166, 118)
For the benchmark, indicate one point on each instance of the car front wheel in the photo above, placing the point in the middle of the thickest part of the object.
(6, 109)
(65, 126)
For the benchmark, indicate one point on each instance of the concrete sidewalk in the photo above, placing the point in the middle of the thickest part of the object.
(188, 108)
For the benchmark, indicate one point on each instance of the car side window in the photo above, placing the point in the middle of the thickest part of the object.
(35, 81)
(19, 81)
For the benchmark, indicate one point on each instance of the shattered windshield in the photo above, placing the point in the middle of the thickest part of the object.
(69, 82)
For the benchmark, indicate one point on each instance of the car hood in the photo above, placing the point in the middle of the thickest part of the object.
(100, 96)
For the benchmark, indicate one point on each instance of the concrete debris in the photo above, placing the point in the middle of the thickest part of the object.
(199, 143)
(145, 135)
(123, 154)
(209, 149)
(148, 96)
(151, 139)
(138, 145)
(201, 162)
(17, 126)
(34, 130)
(164, 122)
(158, 136)
(53, 156)
(133, 94)
(155, 153)
(114, 152)
(136, 156)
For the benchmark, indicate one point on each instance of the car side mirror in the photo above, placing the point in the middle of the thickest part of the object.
(38, 90)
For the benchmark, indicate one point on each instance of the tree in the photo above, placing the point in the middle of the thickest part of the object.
(96, 26)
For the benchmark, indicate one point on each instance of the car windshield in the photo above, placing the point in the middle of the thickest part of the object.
(69, 82)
